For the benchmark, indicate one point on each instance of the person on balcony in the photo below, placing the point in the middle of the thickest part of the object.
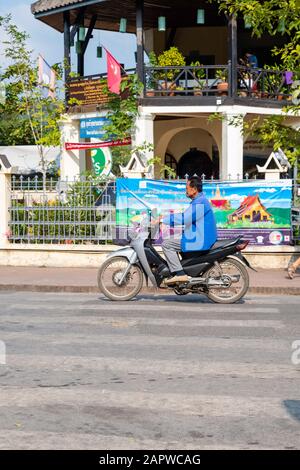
(251, 60)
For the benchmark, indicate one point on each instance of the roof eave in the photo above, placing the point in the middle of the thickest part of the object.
(62, 9)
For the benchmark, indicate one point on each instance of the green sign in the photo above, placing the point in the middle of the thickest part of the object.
(102, 161)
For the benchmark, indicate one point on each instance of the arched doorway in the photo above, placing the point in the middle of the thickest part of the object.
(195, 162)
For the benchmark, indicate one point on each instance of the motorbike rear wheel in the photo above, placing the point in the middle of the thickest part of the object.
(111, 273)
(234, 270)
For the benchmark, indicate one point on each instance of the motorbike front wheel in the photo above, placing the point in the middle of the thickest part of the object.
(235, 274)
(111, 273)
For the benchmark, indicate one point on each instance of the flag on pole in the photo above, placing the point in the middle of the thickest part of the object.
(113, 74)
(47, 78)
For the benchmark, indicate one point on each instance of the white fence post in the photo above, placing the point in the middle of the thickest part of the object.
(5, 200)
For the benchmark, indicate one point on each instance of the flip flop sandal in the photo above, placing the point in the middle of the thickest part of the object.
(291, 272)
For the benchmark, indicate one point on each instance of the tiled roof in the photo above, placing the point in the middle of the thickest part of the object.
(47, 5)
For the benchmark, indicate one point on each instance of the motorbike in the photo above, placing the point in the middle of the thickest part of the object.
(219, 273)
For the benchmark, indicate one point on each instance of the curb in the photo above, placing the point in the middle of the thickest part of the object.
(149, 290)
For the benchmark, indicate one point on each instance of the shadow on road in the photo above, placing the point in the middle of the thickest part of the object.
(293, 408)
(168, 298)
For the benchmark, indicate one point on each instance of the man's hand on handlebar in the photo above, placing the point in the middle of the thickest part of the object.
(156, 221)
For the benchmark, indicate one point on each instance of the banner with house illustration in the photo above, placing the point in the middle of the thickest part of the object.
(258, 210)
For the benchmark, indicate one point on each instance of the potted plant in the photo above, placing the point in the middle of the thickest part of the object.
(180, 89)
(170, 58)
(222, 85)
(200, 75)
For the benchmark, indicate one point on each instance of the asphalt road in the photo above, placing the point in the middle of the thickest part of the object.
(157, 373)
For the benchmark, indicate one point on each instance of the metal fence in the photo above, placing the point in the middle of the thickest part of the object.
(61, 212)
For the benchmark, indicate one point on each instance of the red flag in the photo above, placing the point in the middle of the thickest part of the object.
(113, 74)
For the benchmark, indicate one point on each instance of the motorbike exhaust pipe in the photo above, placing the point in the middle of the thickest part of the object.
(197, 280)
(216, 283)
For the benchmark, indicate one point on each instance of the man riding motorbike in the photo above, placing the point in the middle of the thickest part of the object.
(200, 230)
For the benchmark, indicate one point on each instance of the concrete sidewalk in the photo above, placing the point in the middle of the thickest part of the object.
(85, 280)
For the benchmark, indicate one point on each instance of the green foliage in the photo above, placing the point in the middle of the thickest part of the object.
(200, 73)
(171, 58)
(122, 115)
(267, 16)
(123, 110)
(274, 131)
(164, 170)
(222, 74)
(152, 79)
(27, 116)
(153, 59)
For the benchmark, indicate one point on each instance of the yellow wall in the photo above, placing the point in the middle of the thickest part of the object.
(182, 142)
(206, 40)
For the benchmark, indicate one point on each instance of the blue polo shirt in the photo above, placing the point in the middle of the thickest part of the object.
(200, 229)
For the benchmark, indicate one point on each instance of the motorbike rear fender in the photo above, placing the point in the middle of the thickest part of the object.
(239, 257)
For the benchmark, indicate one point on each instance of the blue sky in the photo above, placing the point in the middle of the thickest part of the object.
(49, 42)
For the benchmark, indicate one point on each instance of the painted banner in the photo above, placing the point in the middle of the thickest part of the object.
(260, 210)
(97, 145)
(93, 127)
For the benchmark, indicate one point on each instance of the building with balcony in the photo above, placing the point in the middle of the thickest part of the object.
(177, 102)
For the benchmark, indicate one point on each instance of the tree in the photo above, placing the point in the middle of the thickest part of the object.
(274, 17)
(122, 115)
(28, 115)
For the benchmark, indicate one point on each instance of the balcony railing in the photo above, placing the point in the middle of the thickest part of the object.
(185, 81)
(216, 80)
(203, 82)
(264, 83)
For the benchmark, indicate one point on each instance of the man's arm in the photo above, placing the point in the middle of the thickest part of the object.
(193, 214)
(186, 218)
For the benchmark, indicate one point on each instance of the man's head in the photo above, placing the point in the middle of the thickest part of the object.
(193, 187)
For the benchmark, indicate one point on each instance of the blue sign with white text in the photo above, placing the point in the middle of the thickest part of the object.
(93, 128)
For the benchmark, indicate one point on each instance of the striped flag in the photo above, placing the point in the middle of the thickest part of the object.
(47, 78)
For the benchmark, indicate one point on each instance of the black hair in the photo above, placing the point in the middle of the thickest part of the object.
(195, 182)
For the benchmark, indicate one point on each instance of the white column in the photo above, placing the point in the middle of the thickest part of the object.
(5, 198)
(72, 162)
(144, 134)
(232, 146)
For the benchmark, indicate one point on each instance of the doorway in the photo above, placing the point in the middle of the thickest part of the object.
(195, 162)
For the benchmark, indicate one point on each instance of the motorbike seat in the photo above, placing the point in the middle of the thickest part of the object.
(225, 243)
(219, 244)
